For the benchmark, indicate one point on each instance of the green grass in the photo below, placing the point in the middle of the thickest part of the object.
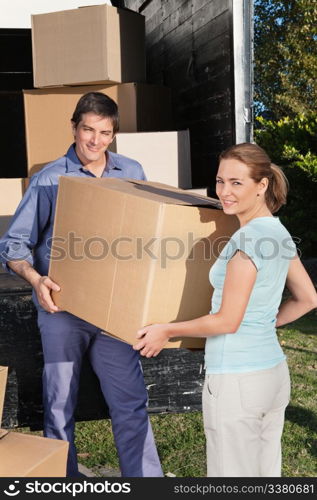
(180, 437)
(299, 442)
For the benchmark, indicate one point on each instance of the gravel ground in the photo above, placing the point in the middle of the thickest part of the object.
(98, 471)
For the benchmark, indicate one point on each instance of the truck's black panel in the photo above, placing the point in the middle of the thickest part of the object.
(16, 73)
(12, 137)
(16, 70)
(189, 48)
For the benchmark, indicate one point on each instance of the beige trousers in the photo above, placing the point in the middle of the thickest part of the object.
(243, 421)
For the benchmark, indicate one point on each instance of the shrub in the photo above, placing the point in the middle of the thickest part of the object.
(292, 144)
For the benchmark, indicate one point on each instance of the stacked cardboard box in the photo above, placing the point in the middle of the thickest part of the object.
(12, 191)
(108, 56)
(165, 156)
(88, 45)
(48, 113)
(113, 52)
(23, 455)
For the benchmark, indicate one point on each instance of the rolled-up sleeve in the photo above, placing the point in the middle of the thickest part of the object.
(143, 176)
(25, 227)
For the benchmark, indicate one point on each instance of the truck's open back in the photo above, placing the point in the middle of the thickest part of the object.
(202, 49)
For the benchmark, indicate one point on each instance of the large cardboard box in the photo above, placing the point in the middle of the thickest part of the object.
(11, 193)
(89, 45)
(130, 253)
(48, 113)
(165, 156)
(23, 455)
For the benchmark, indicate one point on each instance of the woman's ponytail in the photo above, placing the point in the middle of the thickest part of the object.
(276, 193)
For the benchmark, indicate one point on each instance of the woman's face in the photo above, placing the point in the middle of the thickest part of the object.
(239, 194)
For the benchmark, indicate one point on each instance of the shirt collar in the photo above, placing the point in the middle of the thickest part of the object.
(73, 163)
(112, 163)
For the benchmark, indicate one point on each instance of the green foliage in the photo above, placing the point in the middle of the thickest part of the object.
(292, 144)
(285, 34)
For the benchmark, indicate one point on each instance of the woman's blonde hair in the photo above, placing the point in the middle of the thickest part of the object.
(260, 165)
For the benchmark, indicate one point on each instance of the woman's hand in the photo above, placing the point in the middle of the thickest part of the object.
(152, 339)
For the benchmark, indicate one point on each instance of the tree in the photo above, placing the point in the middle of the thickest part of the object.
(285, 57)
(292, 144)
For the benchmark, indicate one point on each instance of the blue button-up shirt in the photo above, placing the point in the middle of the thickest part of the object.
(30, 232)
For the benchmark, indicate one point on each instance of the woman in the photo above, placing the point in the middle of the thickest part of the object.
(247, 382)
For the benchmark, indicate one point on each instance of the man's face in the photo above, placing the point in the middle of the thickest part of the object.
(93, 135)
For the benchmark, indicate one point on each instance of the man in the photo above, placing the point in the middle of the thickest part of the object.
(25, 250)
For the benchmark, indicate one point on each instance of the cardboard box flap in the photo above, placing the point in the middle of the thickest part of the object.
(89, 6)
(176, 196)
(153, 191)
(123, 9)
(3, 382)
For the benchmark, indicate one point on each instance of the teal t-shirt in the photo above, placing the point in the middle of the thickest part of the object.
(255, 345)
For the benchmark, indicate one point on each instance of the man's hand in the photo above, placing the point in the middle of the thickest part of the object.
(42, 285)
(153, 339)
(43, 290)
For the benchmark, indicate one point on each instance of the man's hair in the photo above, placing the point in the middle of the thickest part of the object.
(100, 104)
